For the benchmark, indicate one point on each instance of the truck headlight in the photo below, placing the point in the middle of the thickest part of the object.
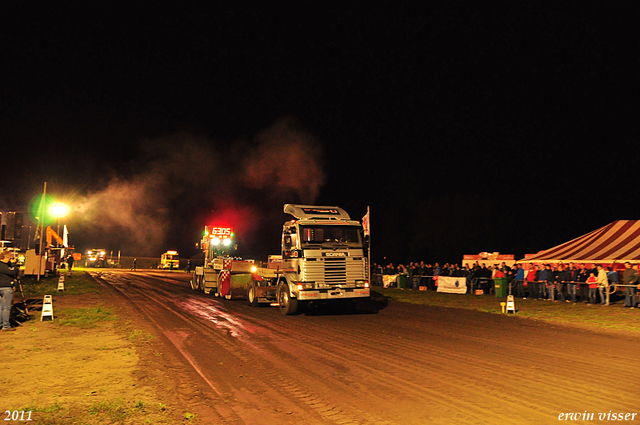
(305, 285)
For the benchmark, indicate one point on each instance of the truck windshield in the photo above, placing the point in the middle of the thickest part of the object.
(331, 236)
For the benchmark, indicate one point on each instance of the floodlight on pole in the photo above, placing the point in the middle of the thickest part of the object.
(59, 210)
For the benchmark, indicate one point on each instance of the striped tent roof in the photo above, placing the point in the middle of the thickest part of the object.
(616, 242)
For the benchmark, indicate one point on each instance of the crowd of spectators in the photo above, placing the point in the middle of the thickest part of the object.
(571, 282)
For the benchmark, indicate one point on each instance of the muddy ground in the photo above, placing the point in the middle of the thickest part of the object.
(175, 356)
(113, 372)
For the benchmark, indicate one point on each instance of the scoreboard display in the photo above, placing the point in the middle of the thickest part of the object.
(220, 232)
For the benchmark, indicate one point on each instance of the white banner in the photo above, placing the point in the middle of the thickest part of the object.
(389, 280)
(452, 285)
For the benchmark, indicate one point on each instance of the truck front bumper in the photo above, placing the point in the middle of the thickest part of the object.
(332, 293)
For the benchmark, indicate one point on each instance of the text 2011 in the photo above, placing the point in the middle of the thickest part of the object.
(17, 415)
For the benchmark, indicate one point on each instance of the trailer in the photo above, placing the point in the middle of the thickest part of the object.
(322, 260)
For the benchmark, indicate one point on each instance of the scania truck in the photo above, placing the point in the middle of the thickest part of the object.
(322, 260)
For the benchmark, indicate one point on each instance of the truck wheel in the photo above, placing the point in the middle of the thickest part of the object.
(251, 294)
(194, 282)
(199, 285)
(288, 305)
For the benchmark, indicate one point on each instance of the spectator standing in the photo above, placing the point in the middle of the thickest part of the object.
(408, 270)
(428, 276)
(510, 273)
(592, 281)
(603, 284)
(505, 269)
(629, 277)
(8, 272)
(571, 284)
(519, 279)
(532, 274)
(70, 261)
(484, 275)
(583, 275)
(434, 280)
(551, 282)
(466, 273)
(415, 275)
(563, 277)
(390, 269)
(557, 273)
(423, 273)
(543, 279)
(612, 276)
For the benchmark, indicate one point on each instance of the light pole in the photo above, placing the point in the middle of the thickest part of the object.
(59, 210)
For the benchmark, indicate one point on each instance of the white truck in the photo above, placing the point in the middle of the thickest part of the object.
(322, 260)
(170, 260)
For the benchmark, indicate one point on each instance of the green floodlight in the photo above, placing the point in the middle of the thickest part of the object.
(39, 209)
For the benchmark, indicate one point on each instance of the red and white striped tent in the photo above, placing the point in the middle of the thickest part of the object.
(616, 242)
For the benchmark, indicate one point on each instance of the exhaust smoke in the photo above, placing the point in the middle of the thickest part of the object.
(182, 182)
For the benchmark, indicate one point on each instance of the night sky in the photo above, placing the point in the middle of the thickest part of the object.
(464, 127)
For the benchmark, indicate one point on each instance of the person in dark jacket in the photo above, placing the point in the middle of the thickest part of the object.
(519, 277)
(70, 261)
(562, 282)
(583, 275)
(630, 279)
(571, 284)
(7, 275)
(542, 279)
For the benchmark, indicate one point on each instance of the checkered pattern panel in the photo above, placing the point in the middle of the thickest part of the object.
(225, 275)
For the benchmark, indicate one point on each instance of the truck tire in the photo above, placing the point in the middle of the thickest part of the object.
(199, 283)
(288, 305)
(217, 288)
(251, 294)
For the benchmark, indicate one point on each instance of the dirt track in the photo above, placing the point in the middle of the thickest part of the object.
(387, 364)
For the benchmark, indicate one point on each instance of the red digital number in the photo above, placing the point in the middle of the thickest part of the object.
(221, 232)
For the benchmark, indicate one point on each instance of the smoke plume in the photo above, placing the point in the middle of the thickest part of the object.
(182, 182)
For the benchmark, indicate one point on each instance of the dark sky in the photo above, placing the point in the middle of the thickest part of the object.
(465, 127)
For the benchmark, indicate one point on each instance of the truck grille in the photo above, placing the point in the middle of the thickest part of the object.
(334, 271)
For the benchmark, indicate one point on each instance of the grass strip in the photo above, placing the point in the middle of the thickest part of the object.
(595, 317)
(80, 282)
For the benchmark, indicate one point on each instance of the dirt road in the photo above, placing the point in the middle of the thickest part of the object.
(385, 364)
